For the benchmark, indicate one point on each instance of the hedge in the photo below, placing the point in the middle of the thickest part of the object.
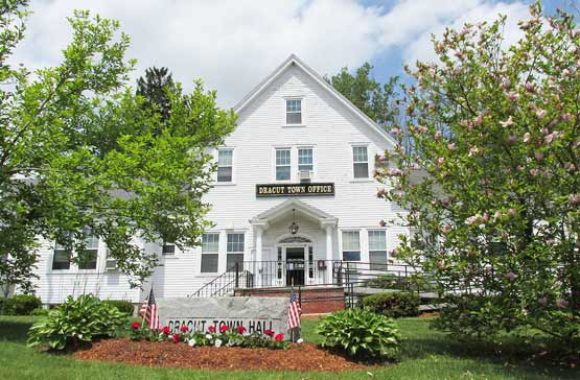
(21, 304)
(393, 304)
(121, 305)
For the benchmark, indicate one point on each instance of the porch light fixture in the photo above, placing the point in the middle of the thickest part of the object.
(293, 227)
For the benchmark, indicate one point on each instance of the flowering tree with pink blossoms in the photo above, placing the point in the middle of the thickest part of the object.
(492, 184)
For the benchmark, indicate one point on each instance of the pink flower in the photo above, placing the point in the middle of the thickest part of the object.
(394, 172)
(510, 276)
(513, 96)
(472, 220)
(241, 329)
(445, 229)
(543, 301)
(574, 199)
(509, 122)
(512, 212)
(534, 172)
(506, 83)
(539, 156)
(478, 120)
(224, 328)
(269, 332)
(176, 338)
(184, 329)
(211, 329)
(540, 113)
(279, 337)
(166, 330)
(440, 161)
(136, 325)
(530, 87)
(551, 137)
(438, 134)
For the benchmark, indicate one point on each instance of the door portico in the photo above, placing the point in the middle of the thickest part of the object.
(313, 241)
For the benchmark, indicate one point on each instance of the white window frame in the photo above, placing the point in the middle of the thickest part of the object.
(342, 241)
(60, 248)
(381, 264)
(231, 166)
(311, 148)
(282, 148)
(354, 162)
(210, 253)
(228, 252)
(290, 99)
(92, 245)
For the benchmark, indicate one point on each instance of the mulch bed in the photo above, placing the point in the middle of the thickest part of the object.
(304, 357)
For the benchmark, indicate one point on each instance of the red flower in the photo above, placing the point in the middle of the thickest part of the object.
(211, 329)
(136, 325)
(279, 337)
(241, 329)
(269, 332)
(166, 330)
(176, 338)
(224, 328)
(184, 329)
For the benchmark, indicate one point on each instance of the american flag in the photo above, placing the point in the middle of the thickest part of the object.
(150, 312)
(294, 311)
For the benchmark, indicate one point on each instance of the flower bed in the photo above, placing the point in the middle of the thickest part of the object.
(214, 336)
(296, 357)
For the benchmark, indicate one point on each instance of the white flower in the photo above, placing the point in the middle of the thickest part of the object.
(507, 123)
(208, 336)
(300, 341)
(191, 342)
(218, 343)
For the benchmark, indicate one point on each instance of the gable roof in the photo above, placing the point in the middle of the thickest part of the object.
(293, 60)
(287, 206)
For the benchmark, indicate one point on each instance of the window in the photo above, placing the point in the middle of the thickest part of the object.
(168, 249)
(305, 159)
(360, 161)
(283, 164)
(294, 111)
(88, 258)
(350, 246)
(61, 258)
(235, 251)
(378, 250)
(225, 159)
(209, 253)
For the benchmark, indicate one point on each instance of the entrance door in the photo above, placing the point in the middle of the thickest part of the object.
(294, 266)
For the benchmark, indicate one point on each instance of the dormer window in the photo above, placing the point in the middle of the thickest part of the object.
(293, 111)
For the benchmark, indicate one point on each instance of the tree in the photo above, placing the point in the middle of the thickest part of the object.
(154, 87)
(81, 154)
(494, 208)
(377, 101)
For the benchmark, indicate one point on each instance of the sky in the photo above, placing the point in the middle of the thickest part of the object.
(233, 44)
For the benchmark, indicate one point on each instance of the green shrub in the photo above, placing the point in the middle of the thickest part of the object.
(39, 311)
(123, 306)
(21, 304)
(360, 333)
(414, 282)
(393, 304)
(76, 321)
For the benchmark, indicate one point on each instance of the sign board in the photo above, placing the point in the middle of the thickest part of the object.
(256, 314)
(294, 189)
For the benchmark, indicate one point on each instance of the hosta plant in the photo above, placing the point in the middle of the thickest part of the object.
(76, 321)
(360, 333)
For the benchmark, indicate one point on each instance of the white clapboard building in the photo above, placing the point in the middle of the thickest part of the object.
(293, 201)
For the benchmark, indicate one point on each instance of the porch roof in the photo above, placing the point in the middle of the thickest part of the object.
(265, 218)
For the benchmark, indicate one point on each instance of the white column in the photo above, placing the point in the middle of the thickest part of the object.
(259, 255)
(329, 254)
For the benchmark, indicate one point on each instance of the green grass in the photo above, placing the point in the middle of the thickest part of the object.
(426, 354)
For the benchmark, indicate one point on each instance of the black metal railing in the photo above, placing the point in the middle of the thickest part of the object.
(274, 274)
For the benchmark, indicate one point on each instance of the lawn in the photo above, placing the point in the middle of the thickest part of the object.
(426, 354)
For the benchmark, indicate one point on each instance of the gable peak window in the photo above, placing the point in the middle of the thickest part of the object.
(225, 164)
(360, 161)
(293, 111)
